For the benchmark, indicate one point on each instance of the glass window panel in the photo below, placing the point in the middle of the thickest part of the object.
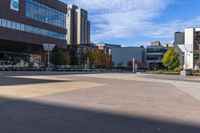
(38, 31)
(13, 25)
(43, 13)
(30, 29)
(22, 27)
(18, 26)
(8, 24)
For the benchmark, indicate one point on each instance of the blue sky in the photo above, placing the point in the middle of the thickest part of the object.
(137, 22)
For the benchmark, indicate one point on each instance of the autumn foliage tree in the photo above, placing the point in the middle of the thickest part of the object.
(99, 59)
(130, 64)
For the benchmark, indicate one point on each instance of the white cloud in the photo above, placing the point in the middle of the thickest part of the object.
(130, 18)
(120, 5)
(167, 30)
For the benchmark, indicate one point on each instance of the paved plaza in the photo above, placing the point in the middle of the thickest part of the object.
(55, 102)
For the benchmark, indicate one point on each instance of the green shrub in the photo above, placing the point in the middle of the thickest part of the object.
(160, 72)
(179, 69)
(169, 72)
(196, 73)
(171, 59)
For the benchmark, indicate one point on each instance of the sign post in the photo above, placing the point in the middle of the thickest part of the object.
(48, 48)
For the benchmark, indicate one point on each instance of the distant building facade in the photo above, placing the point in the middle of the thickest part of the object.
(107, 48)
(78, 26)
(154, 55)
(179, 40)
(78, 53)
(168, 44)
(121, 56)
(156, 43)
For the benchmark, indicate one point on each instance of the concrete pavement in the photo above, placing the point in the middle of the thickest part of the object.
(189, 85)
(96, 103)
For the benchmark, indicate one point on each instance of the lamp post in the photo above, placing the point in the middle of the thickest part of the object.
(48, 48)
(133, 65)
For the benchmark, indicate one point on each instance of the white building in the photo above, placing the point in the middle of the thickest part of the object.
(191, 48)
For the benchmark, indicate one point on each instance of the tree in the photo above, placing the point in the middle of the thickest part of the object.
(171, 59)
(58, 57)
(105, 59)
(130, 64)
(73, 57)
(120, 64)
(95, 58)
(67, 58)
(99, 59)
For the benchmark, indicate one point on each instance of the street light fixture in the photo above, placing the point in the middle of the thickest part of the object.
(48, 48)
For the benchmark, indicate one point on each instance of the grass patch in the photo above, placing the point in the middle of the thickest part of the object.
(175, 72)
(168, 72)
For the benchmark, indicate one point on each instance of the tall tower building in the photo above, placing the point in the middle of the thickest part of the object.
(78, 26)
(71, 24)
(88, 31)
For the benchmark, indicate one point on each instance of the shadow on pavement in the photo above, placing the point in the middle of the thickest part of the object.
(44, 73)
(6, 80)
(19, 116)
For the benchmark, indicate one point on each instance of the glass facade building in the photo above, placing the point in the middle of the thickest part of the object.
(154, 55)
(25, 26)
(30, 29)
(45, 14)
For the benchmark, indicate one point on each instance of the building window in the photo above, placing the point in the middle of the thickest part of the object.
(18, 26)
(45, 14)
(154, 50)
(31, 29)
(152, 57)
(3, 22)
(8, 24)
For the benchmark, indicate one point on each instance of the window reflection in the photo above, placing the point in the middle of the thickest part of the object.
(45, 14)
(31, 29)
